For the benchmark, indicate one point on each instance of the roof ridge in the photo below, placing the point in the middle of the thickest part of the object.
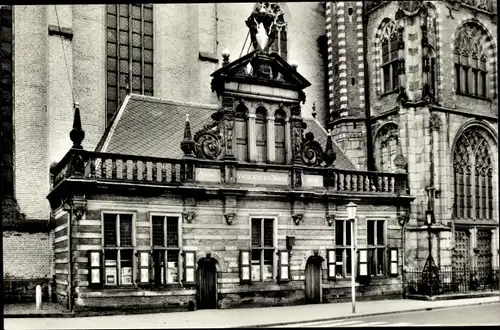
(116, 119)
(335, 143)
(173, 102)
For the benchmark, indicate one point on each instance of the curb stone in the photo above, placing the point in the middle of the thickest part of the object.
(348, 317)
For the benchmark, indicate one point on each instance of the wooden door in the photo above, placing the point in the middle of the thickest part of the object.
(484, 250)
(207, 284)
(313, 281)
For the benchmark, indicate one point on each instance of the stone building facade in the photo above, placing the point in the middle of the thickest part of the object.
(425, 112)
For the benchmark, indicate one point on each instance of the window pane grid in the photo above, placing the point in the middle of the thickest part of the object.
(129, 51)
(262, 249)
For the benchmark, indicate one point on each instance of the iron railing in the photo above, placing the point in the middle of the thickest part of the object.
(452, 280)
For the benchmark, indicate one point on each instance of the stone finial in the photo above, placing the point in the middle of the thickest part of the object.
(294, 64)
(330, 155)
(225, 57)
(314, 110)
(187, 144)
(77, 134)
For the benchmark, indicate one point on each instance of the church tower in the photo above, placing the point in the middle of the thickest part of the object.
(346, 83)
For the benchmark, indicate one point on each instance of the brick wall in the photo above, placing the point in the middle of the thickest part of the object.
(26, 255)
(209, 233)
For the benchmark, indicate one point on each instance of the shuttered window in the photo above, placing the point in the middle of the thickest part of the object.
(260, 135)
(279, 137)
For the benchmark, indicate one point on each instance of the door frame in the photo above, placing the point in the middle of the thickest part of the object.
(316, 261)
(198, 284)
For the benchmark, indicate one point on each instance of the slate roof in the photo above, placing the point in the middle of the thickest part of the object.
(148, 126)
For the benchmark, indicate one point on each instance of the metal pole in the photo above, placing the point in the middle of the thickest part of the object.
(353, 267)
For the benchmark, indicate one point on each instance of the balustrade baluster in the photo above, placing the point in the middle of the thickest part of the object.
(173, 174)
(182, 172)
(103, 168)
(92, 167)
(154, 168)
(360, 182)
(353, 182)
(134, 170)
(113, 169)
(124, 169)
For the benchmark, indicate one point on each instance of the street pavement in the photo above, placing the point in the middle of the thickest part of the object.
(255, 317)
(482, 315)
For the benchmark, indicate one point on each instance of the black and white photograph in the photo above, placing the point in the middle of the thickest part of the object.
(250, 164)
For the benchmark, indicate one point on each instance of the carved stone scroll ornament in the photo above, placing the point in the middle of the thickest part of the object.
(188, 217)
(229, 218)
(330, 219)
(208, 144)
(312, 153)
(297, 218)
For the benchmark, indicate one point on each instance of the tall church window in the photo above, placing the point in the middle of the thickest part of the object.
(129, 53)
(261, 135)
(279, 137)
(471, 57)
(473, 177)
(390, 62)
(241, 133)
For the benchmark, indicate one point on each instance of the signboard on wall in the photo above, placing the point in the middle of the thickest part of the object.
(263, 178)
(312, 181)
(208, 175)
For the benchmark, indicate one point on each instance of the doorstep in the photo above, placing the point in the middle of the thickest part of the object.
(453, 296)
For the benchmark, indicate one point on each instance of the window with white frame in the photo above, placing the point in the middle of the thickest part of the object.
(118, 248)
(166, 249)
(376, 247)
(263, 249)
(343, 243)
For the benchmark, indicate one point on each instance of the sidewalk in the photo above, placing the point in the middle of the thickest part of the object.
(257, 317)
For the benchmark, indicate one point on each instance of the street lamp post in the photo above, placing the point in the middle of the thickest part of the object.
(351, 215)
(430, 274)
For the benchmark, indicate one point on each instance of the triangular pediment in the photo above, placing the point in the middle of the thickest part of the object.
(262, 69)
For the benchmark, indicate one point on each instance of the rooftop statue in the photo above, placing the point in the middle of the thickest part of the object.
(262, 24)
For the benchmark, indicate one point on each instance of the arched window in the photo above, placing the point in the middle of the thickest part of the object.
(473, 177)
(389, 68)
(241, 133)
(386, 143)
(261, 135)
(279, 137)
(471, 60)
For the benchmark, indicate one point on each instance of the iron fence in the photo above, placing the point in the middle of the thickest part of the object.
(452, 280)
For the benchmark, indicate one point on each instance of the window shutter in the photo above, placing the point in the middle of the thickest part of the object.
(189, 267)
(331, 264)
(284, 266)
(363, 263)
(245, 267)
(95, 269)
(393, 262)
(143, 267)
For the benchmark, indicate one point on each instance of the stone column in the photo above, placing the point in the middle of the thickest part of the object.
(271, 150)
(252, 143)
(494, 248)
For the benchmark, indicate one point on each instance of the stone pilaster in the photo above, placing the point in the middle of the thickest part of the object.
(252, 143)
(271, 151)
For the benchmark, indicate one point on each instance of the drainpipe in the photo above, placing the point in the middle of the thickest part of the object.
(369, 141)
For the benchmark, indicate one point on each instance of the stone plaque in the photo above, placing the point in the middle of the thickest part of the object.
(313, 181)
(208, 175)
(263, 178)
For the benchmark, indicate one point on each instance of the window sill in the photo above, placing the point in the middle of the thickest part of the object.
(394, 91)
(474, 96)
